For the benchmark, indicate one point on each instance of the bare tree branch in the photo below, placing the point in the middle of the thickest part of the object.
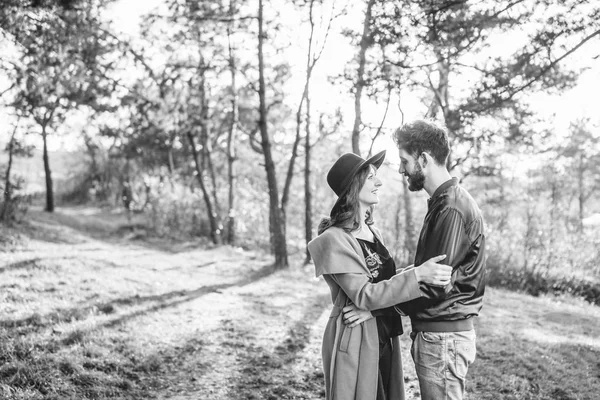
(551, 65)
(387, 107)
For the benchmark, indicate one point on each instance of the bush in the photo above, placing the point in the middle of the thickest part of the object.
(539, 264)
(179, 212)
(540, 282)
(16, 207)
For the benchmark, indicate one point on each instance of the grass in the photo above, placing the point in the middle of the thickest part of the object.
(537, 348)
(88, 312)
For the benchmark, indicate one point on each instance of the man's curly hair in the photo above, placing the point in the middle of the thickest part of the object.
(423, 136)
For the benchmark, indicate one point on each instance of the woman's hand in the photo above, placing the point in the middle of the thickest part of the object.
(432, 273)
(354, 316)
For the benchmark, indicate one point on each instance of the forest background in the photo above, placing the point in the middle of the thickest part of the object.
(210, 116)
(217, 120)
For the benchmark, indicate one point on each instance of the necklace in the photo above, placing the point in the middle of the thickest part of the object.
(373, 261)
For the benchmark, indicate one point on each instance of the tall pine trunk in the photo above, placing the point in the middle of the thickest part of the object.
(581, 194)
(409, 227)
(308, 229)
(49, 188)
(365, 43)
(231, 136)
(215, 232)
(7, 185)
(276, 214)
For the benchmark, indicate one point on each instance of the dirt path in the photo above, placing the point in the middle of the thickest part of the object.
(88, 311)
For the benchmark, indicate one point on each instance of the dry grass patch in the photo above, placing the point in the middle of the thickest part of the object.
(96, 317)
(536, 348)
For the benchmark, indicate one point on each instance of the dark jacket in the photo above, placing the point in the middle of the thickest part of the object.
(453, 226)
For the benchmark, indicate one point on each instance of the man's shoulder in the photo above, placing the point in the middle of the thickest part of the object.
(458, 198)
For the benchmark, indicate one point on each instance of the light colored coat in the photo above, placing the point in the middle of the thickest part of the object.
(351, 355)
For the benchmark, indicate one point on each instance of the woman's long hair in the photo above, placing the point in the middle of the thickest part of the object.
(346, 212)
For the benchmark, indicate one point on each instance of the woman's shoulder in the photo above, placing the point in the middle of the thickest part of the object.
(335, 231)
(334, 240)
(333, 234)
(336, 251)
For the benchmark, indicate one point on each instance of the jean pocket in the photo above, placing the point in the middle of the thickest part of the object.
(432, 337)
(464, 355)
(428, 354)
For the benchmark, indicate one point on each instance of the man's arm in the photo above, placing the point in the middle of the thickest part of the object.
(447, 236)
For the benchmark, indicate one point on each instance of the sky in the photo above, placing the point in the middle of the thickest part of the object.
(558, 110)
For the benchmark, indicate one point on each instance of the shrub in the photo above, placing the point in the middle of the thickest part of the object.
(15, 207)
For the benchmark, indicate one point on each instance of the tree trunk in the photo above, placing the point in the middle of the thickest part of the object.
(308, 229)
(440, 99)
(409, 227)
(290, 172)
(206, 149)
(581, 194)
(365, 43)
(232, 134)
(7, 185)
(215, 232)
(554, 214)
(49, 189)
(170, 157)
(276, 215)
(310, 63)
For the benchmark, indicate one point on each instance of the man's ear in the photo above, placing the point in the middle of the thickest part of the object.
(426, 158)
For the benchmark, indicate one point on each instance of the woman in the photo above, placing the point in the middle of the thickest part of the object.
(361, 361)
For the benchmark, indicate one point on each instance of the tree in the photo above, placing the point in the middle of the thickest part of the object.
(366, 41)
(14, 148)
(276, 212)
(233, 124)
(175, 106)
(435, 43)
(581, 157)
(303, 115)
(62, 66)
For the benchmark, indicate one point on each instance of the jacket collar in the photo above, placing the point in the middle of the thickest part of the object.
(443, 187)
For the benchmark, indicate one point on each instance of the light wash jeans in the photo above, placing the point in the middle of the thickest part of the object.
(442, 360)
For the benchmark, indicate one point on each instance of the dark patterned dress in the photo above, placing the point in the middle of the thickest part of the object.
(389, 324)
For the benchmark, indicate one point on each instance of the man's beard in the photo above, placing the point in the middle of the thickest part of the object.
(416, 180)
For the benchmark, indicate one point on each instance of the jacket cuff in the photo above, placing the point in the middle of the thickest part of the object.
(412, 284)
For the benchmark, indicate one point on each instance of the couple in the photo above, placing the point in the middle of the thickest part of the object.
(361, 347)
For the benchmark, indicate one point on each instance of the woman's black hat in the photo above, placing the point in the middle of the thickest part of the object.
(346, 167)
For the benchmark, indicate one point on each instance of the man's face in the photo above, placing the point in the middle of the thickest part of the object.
(411, 169)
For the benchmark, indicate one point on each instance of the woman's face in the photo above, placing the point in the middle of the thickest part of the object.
(368, 193)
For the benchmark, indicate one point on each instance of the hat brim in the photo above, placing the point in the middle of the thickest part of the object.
(375, 161)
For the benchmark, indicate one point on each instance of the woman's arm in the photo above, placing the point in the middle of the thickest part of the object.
(399, 288)
(336, 255)
(373, 296)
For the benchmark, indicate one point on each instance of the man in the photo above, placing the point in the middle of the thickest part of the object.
(442, 323)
